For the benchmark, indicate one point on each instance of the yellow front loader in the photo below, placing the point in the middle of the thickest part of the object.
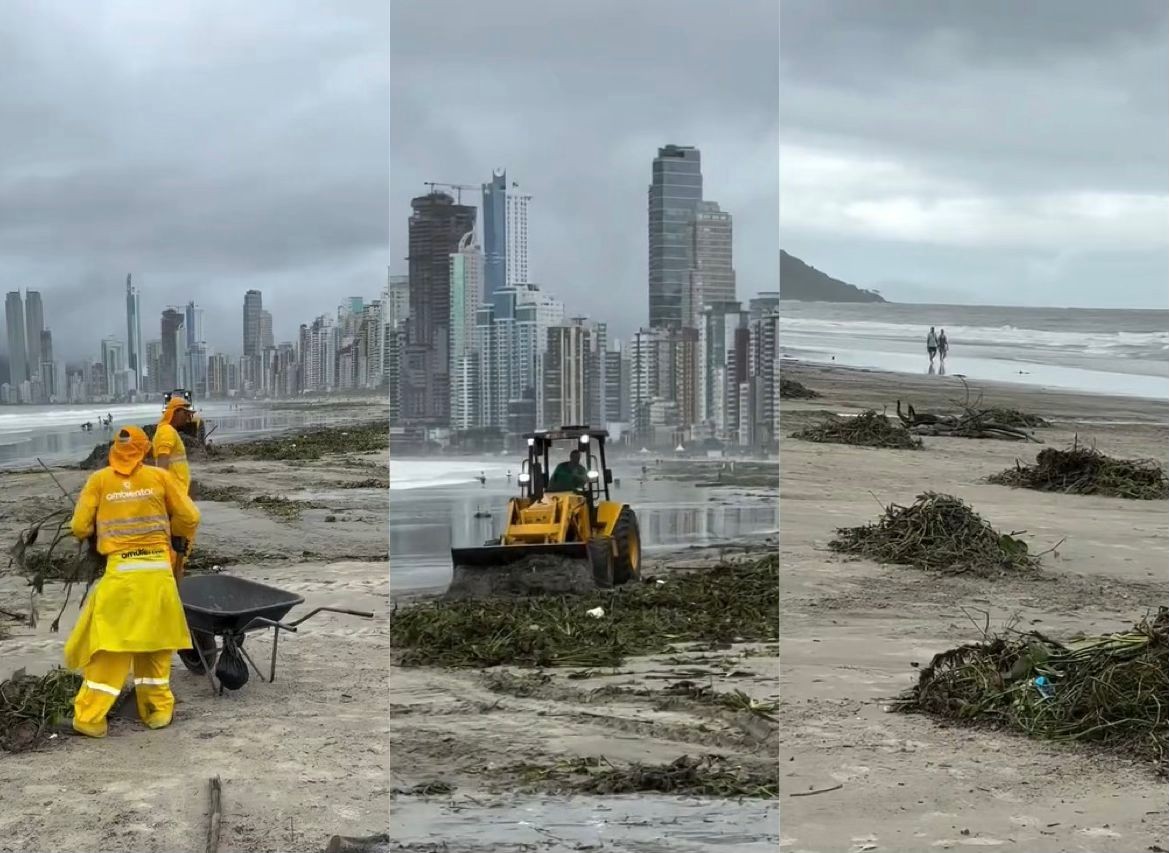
(556, 538)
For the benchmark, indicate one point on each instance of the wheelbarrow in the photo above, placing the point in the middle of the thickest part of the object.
(222, 609)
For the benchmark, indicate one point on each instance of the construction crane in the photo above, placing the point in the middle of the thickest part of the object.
(458, 188)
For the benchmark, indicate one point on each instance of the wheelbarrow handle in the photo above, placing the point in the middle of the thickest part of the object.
(260, 620)
(365, 614)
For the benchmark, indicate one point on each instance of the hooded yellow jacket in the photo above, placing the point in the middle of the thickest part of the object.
(168, 442)
(135, 606)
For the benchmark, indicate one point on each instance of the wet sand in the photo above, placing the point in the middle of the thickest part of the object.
(851, 631)
(301, 759)
(463, 728)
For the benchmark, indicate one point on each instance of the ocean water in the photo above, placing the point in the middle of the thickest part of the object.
(1123, 352)
(54, 434)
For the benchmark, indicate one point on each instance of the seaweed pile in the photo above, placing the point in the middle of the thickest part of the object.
(99, 457)
(31, 706)
(705, 776)
(939, 533)
(1086, 471)
(728, 603)
(310, 445)
(1107, 691)
(790, 389)
(868, 429)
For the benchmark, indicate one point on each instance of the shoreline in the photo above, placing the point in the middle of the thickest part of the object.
(791, 366)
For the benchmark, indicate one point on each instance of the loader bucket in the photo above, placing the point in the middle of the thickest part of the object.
(522, 570)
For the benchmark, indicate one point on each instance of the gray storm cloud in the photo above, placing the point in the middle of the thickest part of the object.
(207, 147)
(574, 100)
(985, 152)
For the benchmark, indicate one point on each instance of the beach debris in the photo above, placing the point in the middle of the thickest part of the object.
(1108, 691)
(596, 612)
(790, 389)
(194, 440)
(972, 423)
(425, 789)
(32, 706)
(282, 508)
(368, 844)
(736, 700)
(728, 603)
(939, 533)
(1082, 470)
(702, 776)
(215, 813)
(868, 429)
(307, 445)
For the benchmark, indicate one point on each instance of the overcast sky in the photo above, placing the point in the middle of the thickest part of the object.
(991, 151)
(206, 146)
(574, 99)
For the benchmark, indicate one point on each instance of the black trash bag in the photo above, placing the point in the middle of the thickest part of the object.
(232, 669)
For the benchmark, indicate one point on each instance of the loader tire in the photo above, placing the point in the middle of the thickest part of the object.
(601, 559)
(627, 538)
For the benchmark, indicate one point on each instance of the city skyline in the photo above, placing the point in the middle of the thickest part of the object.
(571, 116)
(208, 164)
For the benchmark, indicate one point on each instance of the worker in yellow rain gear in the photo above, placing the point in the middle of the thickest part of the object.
(168, 449)
(170, 453)
(133, 619)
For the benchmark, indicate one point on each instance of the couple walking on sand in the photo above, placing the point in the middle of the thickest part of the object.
(936, 344)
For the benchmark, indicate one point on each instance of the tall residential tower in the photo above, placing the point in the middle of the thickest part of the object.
(674, 196)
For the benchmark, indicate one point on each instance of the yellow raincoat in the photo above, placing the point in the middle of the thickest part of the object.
(168, 442)
(133, 618)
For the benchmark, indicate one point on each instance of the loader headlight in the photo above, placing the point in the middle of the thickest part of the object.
(531, 442)
(525, 479)
(593, 475)
(584, 439)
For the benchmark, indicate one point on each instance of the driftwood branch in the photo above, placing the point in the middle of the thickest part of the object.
(216, 815)
(972, 423)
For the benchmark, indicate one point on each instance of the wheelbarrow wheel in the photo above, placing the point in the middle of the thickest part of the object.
(190, 657)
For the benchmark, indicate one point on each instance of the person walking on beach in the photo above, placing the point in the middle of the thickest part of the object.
(931, 344)
(943, 345)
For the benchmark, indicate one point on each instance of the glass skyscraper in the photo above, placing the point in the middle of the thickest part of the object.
(674, 197)
(494, 234)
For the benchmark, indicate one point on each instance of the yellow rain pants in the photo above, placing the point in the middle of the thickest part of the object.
(132, 621)
(103, 679)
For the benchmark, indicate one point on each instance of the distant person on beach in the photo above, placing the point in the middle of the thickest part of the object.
(943, 345)
(931, 344)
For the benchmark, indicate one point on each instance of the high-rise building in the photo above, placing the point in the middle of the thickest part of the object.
(172, 349)
(716, 340)
(113, 363)
(567, 375)
(135, 355)
(396, 299)
(50, 376)
(17, 348)
(712, 280)
(267, 341)
(253, 312)
(495, 234)
(517, 237)
(34, 317)
(193, 324)
(437, 226)
(465, 298)
(674, 196)
(152, 366)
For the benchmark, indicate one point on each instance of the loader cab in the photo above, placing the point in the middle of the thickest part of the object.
(544, 451)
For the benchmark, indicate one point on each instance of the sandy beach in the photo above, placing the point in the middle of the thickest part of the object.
(852, 631)
(301, 759)
(462, 732)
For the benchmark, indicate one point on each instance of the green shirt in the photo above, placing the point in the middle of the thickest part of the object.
(568, 478)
